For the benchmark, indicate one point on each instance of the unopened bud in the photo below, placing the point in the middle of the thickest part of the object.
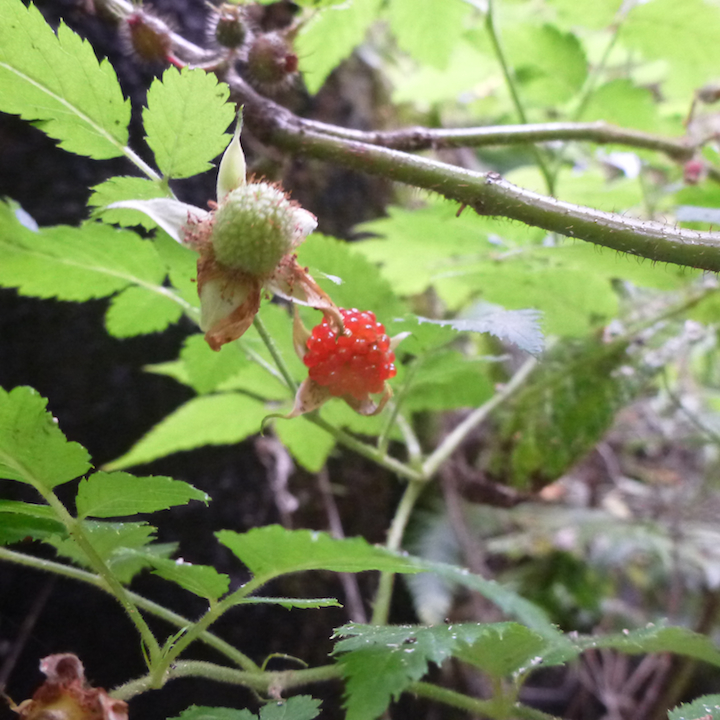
(148, 38)
(271, 60)
(231, 27)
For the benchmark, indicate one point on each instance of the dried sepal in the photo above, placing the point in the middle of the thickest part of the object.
(66, 695)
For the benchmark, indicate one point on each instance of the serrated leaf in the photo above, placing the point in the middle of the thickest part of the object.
(308, 444)
(519, 327)
(181, 265)
(58, 79)
(290, 603)
(122, 546)
(185, 120)
(382, 661)
(76, 264)
(209, 420)
(20, 527)
(32, 448)
(104, 495)
(428, 30)
(300, 707)
(272, 550)
(120, 188)
(706, 707)
(140, 311)
(202, 580)
(201, 712)
(330, 37)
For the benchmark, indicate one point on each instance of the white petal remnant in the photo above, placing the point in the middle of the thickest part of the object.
(171, 215)
(231, 174)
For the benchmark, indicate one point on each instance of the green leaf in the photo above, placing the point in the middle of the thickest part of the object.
(290, 603)
(122, 546)
(623, 103)
(706, 707)
(104, 495)
(300, 707)
(550, 64)
(71, 263)
(587, 15)
(560, 414)
(447, 379)
(208, 420)
(207, 369)
(272, 550)
(657, 639)
(382, 661)
(140, 311)
(307, 443)
(32, 448)
(20, 521)
(185, 120)
(683, 36)
(330, 36)
(428, 30)
(202, 580)
(119, 188)
(58, 79)
(519, 327)
(200, 712)
(181, 265)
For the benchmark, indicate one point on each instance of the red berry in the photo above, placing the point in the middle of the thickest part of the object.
(356, 362)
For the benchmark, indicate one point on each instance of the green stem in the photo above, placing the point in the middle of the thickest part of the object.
(77, 533)
(456, 437)
(508, 74)
(268, 681)
(381, 609)
(149, 606)
(475, 706)
(275, 352)
(368, 451)
(384, 439)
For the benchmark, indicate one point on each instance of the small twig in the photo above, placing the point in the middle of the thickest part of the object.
(353, 596)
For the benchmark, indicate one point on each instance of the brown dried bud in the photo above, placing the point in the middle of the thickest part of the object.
(230, 26)
(270, 60)
(148, 38)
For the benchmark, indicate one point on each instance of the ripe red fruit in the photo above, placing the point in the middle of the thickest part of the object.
(355, 362)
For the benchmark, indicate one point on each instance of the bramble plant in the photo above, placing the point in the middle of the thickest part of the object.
(475, 391)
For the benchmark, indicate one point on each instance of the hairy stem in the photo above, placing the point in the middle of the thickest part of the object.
(141, 602)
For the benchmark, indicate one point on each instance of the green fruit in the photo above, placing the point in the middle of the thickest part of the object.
(255, 226)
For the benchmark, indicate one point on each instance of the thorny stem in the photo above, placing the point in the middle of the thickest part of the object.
(487, 193)
(508, 74)
(149, 606)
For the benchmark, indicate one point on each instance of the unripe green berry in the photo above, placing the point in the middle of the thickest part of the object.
(255, 226)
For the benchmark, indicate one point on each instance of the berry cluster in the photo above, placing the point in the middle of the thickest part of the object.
(355, 362)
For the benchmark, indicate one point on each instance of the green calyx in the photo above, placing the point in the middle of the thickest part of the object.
(255, 226)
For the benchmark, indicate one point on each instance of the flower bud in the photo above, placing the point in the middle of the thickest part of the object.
(231, 28)
(148, 38)
(256, 226)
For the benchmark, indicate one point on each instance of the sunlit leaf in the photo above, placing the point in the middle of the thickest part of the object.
(706, 707)
(202, 580)
(32, 448)
(105, 495)
(272, 550)
(185, 120)
(139, 311)
(57, 79)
